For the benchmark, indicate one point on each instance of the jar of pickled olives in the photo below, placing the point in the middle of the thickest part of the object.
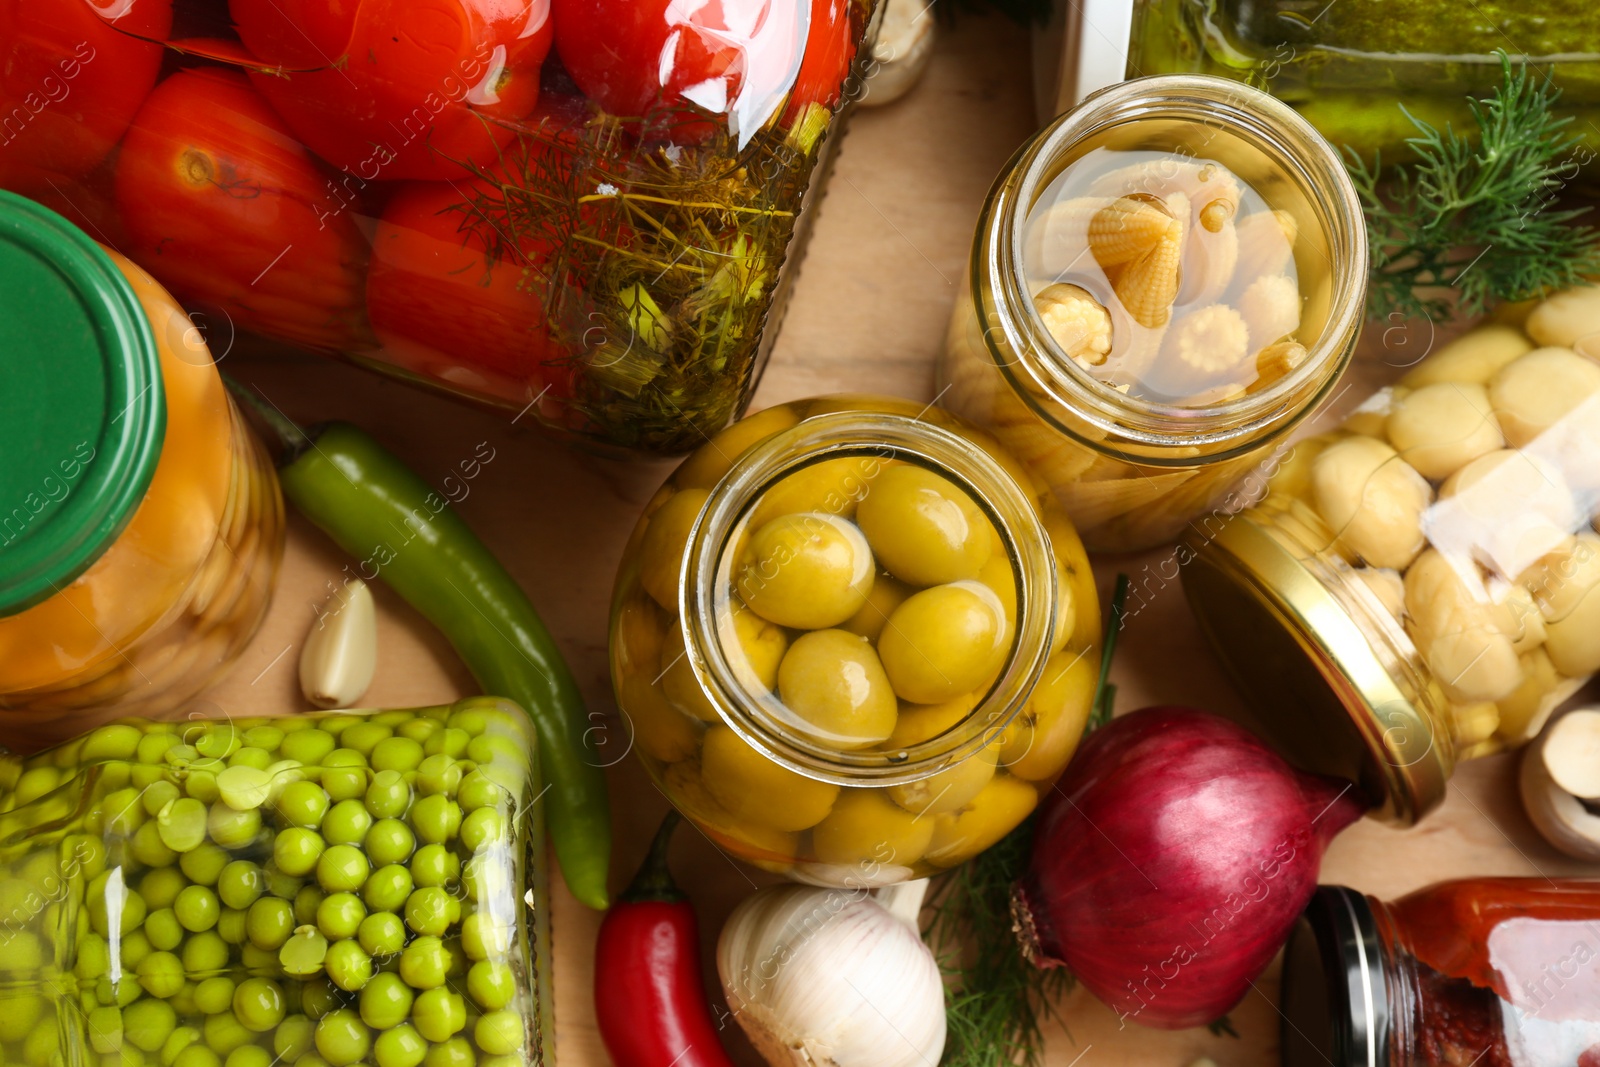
(855, 640)
(321, 890)
(1419, 584)
(1164, 283)
(140, 522)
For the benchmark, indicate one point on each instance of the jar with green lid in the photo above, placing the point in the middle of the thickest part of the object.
(1164, 282)
(319, 890)
(141, 524)
(854, 640)
(1419, 585)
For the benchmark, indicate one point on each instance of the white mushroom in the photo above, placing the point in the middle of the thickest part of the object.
(1543, 689)
(1473, 358)
(1452, 621)
(1566, 754)
(1387, 587)
(1372, 499)
(1567, 317)
(1536, 390)
(900, 51)
(1505, 509)
(1442, 427)
(1572, 752)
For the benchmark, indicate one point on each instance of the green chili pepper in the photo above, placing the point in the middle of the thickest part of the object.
(379, 511)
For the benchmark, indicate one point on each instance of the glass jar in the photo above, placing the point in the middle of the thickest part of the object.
(1164, 283)
(141, 524)
(855, 640)
(1348, 67)
(522, 205)
(1418, 583)
(1497, 971)
(267, 890)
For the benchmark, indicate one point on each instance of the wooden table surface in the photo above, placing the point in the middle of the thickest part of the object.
(869, 314)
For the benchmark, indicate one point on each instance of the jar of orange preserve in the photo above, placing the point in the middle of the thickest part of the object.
(141, 525)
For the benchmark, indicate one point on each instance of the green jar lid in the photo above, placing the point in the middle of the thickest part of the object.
(83, 410)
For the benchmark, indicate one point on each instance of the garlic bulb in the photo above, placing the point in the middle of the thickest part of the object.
(834, 977)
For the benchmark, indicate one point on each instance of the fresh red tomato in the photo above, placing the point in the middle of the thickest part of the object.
(399, 88)
(452, 297)
(70, 82)
(224, 208)
(727, 61)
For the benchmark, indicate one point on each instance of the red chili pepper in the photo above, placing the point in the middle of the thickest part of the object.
(648, 996)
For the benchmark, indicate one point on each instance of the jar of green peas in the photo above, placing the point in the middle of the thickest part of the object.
(316, 891)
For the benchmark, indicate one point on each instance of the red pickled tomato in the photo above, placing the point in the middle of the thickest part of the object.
(399, 88)
(445, 305)
(830, 46)
(224, 208)
(70, 82)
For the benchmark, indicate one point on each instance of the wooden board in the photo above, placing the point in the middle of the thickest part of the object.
(869, 314)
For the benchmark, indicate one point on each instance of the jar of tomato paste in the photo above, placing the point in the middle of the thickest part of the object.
(855, 640)
(140, 523)
(1500, 972)
(576, 212)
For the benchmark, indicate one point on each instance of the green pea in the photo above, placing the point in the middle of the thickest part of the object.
(259, 960)
(214, 995)
(240, 883)
(269, 922)
(339, 915)
(302, 804)
(401, 1046)
(345, 757)
(128, 915)
(292, 1039)
(311, 1059)
(280, 883)
(181, 754)
(232, 926)
(447, 742)
(153, 747)
(303, 954)
(320, 997)
(161, 974)
(346, 823)
(196, 1055)
(201, 785)
(388, 796)
(148, 1023)
(342, 868)
(253, 758)
(419, 730)
(390, 841)
(124, 811)
(435, 819)
(491, 984)
(296, 851)
(258, 1004)
(117, 995)
(439, 1014)
(424, 962)
(135, 947)
(176, 1042)
(499, 1033)
(482, 828)
(486, 876)
(266, 738)
(218, 741)
(365, 736)
(232, 828)
(342, 1038)
(157, 795)
(385, 1002)
(203, 865)
(244, 787)
(94, 957)
(394, 718)
(105, 1029)
(306, 903)
(183, 1000)
(147, 848)
(396, 754)
(82, 856)
(348, 965)
(387, 888)
(163, 929)
(485, 937)
(382, 934)
(113, 742)
(478, 790)
(456, 1052)
(439, 775)
(248, 1056)
(435, 865)
(493, 749)
(161, 887)
(42, 1042)
(428, 911)
(224, 1032)
(204, 954)
(197, 908)
(310, 747)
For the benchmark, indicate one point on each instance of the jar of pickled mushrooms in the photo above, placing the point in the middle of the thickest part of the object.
(1419, 585)
(1164, 283)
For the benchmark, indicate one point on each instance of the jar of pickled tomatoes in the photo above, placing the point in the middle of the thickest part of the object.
(1164, 283)
(1492, 971)
(1419, 585)
(141, 524)
(854, 639)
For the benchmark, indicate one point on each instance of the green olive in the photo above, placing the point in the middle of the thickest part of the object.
(944, 642)
(753, 788)
(833, 682)
(923, 527)
(866, 828)
(807, 571)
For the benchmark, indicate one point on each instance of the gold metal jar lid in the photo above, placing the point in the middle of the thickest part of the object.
(1317, 688)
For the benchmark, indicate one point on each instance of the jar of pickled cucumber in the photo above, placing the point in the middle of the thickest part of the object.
(321, 890)
(140, 522)
(854, 639)
(1419, 585)
(1164, 283)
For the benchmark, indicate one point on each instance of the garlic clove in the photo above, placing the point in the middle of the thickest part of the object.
(1571, 752)
(1560, 817)
(340, 655)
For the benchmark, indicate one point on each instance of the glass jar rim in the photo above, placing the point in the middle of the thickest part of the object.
(836, 435)
(1314, 167)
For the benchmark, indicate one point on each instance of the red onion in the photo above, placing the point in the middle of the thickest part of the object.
(1171, 862)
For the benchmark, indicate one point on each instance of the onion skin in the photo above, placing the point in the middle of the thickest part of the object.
(1171, 862)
